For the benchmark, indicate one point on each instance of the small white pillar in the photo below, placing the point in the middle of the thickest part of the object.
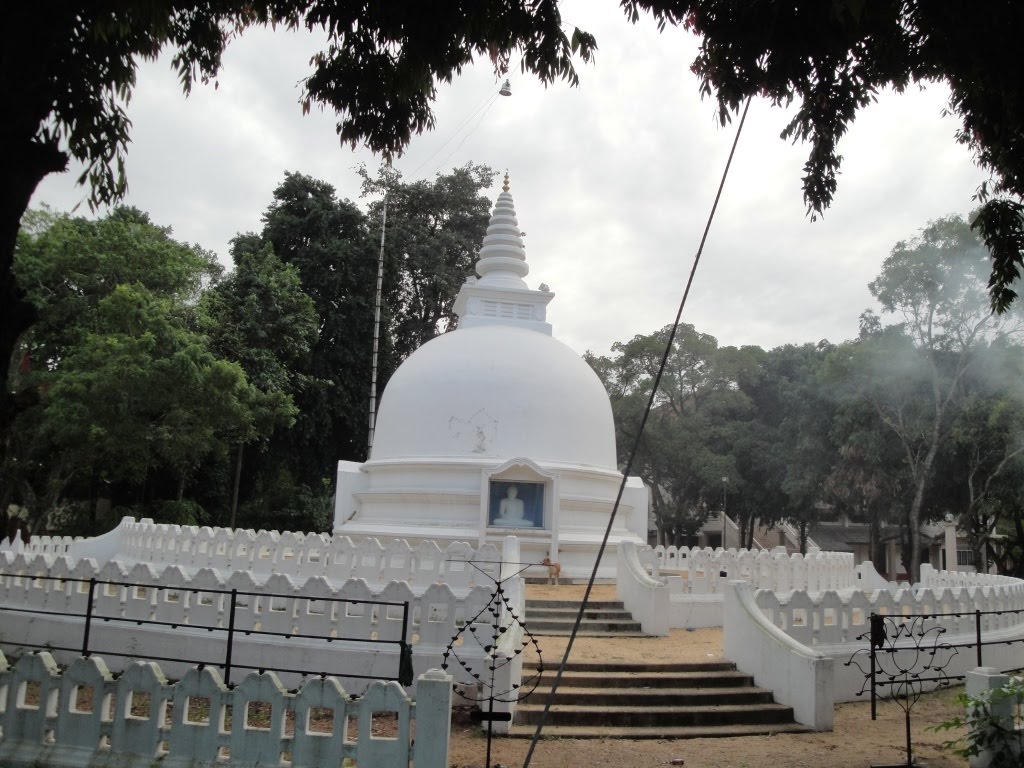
(433, 719)
(982, 680)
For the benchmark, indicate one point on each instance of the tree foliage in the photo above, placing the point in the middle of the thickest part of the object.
(912, 421)
(935, 284)
(128, 397)
(684, 450)
(433, 233)
(833, 58)
(260, 318)
(69, 70)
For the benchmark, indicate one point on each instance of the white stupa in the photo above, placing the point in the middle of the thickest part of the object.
(495, 428)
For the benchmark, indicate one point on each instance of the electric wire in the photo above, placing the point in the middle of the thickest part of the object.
(471, 132)
(485, 103)
(636, 445)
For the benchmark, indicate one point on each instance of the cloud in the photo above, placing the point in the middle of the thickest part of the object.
(613, 181)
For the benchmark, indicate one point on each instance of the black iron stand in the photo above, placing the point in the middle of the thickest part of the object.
(499, 608)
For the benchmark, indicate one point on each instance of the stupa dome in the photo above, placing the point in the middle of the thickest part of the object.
(496, 392)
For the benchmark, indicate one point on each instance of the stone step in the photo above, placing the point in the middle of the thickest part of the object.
(648, 680)
(659, 732)
(602, 605)
(570, 615)
(619, 716)
(652, 696)
(542, 627)
(603, 618)
(640, 700)
(660, 667)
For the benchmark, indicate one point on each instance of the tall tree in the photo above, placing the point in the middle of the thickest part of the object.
(141, 393)
(936, 284)
(329, 244)
(785, 454)
(985, 453)
(868, 481)
(685, 449)
(260, 318)
(127, 394)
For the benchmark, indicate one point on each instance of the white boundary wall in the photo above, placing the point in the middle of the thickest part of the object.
(705, 571)
(437, 612)
(133, 720)
(44, 545)
(643, 595)
(797, 676)
(831, 623)
(300, 556)
(803, 615)
(694, 580)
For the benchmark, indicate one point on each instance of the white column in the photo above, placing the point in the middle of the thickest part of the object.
(949, 531)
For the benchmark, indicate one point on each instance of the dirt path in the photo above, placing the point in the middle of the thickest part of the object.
(856, 742)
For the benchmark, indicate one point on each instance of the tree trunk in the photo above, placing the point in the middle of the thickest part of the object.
(914, 516)
(27, 163)
(234, 490)
(33, 40)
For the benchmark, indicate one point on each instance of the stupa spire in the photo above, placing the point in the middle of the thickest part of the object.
(502, 258)
(501, 296)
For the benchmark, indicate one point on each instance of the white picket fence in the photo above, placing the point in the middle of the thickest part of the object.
(84, 715)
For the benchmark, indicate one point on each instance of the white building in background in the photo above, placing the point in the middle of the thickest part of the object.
(496, 428)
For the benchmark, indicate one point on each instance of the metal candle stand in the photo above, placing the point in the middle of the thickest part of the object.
(497, 606)
(902, 660)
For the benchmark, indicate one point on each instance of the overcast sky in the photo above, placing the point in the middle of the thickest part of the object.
(612, 180)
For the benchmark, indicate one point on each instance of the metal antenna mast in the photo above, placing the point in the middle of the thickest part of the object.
(376, 332)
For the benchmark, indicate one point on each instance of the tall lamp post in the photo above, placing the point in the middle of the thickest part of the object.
(725, 519)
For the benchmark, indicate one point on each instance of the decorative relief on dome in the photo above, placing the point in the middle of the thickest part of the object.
(475, 434)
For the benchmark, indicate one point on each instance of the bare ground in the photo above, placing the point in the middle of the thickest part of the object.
(856, 741)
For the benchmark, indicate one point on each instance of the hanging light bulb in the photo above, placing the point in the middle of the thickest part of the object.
(506, 88)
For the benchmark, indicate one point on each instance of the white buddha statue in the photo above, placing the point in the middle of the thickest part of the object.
(511, 511)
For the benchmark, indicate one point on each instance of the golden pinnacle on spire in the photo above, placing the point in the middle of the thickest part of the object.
(504, 187)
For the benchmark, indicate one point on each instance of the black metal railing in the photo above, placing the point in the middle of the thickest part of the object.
(90, 617)
(908, 653)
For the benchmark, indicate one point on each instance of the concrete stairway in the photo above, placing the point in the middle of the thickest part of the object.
(601, 619)
(635, 700)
